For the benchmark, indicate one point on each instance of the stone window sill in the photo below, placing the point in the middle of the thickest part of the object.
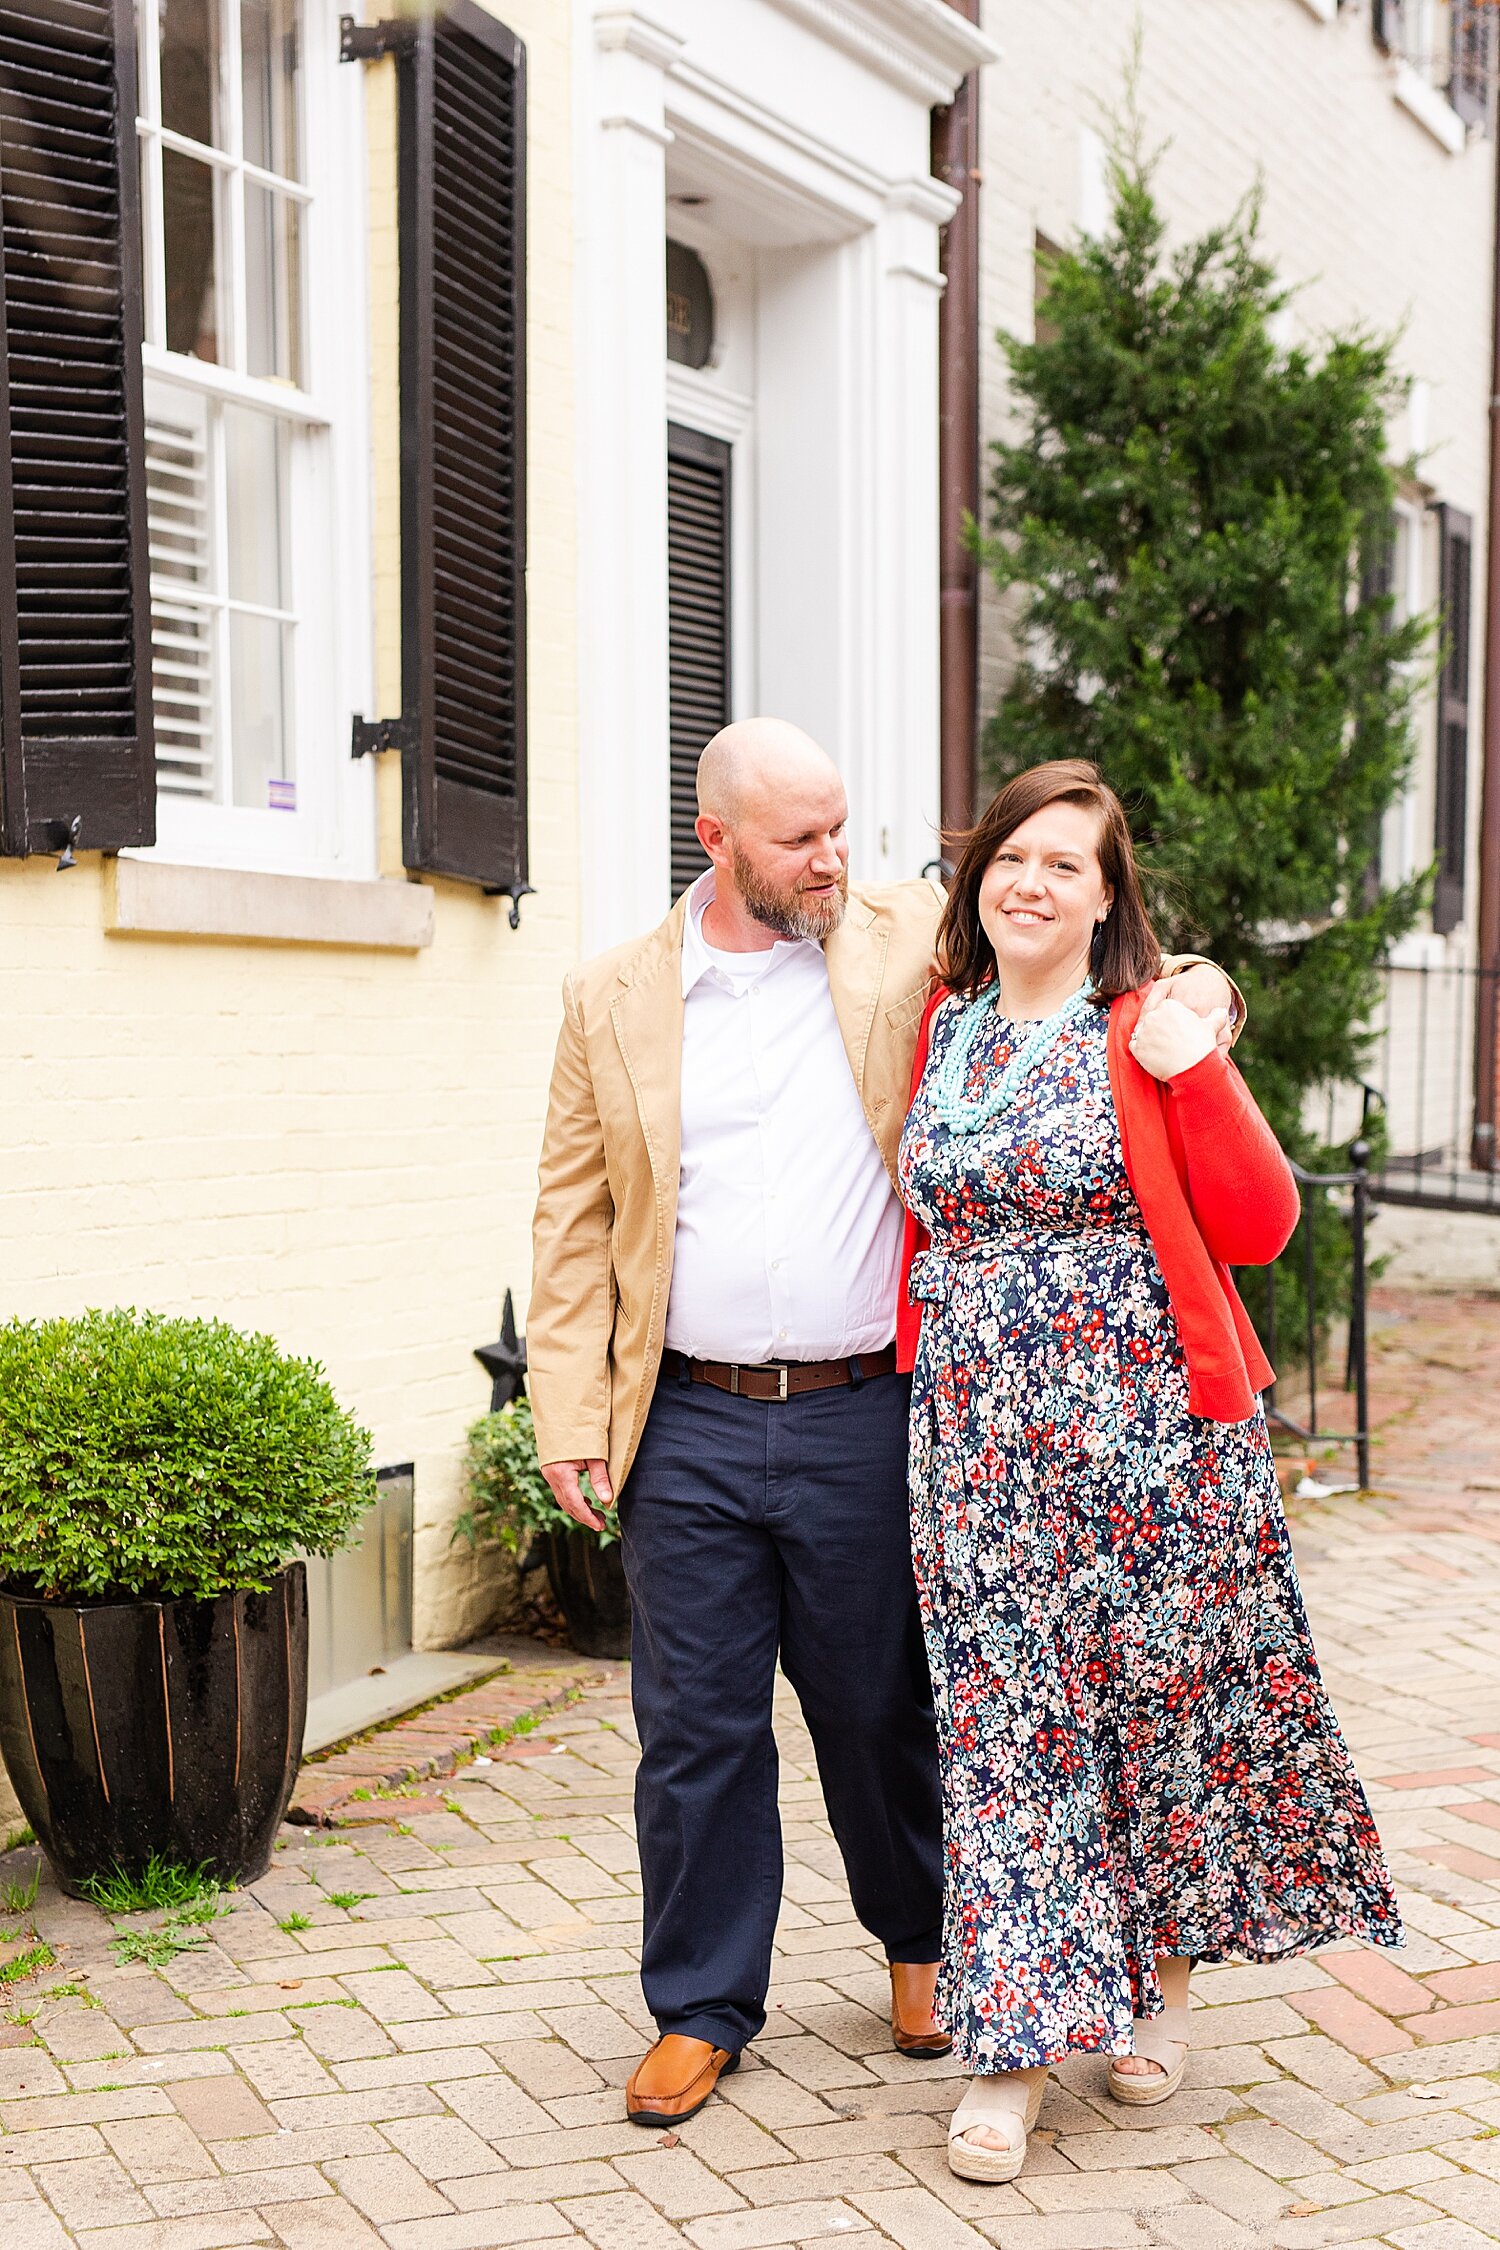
(1429, 108)
(154, 898)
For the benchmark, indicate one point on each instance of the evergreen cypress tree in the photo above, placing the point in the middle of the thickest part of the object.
(1184, 515)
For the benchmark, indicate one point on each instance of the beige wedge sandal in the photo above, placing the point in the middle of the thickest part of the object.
(1164, 2040)
(1006, 2102)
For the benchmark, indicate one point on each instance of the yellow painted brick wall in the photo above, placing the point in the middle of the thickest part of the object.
(336, 1146)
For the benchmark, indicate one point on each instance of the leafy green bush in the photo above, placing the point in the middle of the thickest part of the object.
(509, 1498)
(141, 1455)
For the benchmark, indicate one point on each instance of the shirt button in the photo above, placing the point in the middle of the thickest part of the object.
(775, 1265)
(781, 1334)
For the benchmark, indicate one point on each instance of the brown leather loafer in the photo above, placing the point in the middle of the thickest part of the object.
(676, 2079)
(913, 1984)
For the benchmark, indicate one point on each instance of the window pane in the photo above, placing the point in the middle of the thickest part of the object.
(191, 99)
(190, 200)
(255, 449)
(269, 47)
(273, 284)
(182, 671)
(177, 490)
(257, 704)
(178, 515)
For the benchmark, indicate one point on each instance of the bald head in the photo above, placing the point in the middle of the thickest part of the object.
(772, 816)
(756, 763)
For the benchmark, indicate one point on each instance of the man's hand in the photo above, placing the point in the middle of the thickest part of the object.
(567, 1491)
(1203, 989)
(1172, 1038)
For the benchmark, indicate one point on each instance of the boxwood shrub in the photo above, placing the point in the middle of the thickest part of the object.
(142, 1455)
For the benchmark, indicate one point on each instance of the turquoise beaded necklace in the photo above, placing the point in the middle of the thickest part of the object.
(951, 1105)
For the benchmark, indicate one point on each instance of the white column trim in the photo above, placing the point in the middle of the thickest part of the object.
(624, 776)
(709, 407)
(625, 31)
(923, 46)
(902, 763)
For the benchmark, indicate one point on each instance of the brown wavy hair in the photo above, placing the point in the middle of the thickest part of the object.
(1125, 953)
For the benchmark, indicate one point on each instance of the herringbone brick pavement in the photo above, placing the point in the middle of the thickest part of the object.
(415, 2031)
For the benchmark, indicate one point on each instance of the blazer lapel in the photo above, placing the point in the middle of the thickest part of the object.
(856, 964)
(647, 1016)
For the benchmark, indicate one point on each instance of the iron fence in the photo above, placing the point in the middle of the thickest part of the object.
(1328, 1199)
(1427, 1102)
(1420, 1130)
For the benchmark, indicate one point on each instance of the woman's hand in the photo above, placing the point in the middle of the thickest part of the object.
(1203, 988)
(1171, 1038)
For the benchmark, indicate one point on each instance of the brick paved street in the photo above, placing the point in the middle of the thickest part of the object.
(414, 2032)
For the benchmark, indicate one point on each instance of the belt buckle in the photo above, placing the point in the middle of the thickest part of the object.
(765, 1367)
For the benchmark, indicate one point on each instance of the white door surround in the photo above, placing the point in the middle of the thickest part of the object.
(803, 126)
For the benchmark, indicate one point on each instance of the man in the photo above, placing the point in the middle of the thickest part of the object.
(712, 1319)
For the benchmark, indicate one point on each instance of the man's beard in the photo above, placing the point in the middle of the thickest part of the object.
(790, 914)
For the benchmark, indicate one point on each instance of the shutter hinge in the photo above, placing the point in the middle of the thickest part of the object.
(515, 892)
(367, 735)
(367, 42)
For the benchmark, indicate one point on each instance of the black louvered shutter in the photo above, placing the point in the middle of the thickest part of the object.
(1451, 827)
(75, 673)
(1385, 24)
(698, 473)
(463, 498)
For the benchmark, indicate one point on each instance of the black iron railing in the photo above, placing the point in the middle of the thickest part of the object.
(1339, 1199)
(1432, 1069)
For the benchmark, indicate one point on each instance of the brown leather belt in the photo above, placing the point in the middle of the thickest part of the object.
(789, 1378)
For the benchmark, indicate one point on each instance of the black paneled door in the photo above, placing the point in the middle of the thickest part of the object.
(698, 472)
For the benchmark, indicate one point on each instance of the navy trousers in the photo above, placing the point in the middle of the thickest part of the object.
(754, 1530)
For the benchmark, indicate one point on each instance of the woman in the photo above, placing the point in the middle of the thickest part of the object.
(1140, 1764)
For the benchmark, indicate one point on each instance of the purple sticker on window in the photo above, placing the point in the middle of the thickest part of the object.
(281, 796)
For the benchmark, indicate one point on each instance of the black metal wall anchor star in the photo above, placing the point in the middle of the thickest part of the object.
(505, 1361)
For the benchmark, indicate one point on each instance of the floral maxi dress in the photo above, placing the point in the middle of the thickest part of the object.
(1138, 1753)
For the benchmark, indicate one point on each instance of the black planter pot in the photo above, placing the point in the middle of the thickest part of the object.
(171, 1727)
(588, 1585)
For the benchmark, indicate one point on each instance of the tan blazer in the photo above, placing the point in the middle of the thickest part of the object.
(606, 1214)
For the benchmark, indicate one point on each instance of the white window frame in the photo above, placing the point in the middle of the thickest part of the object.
(1423, 64)
(1424, 42)
(328, 533)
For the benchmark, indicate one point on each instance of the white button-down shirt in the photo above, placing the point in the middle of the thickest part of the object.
(788, 1230)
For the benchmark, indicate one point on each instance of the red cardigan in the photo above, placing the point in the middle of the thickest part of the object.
(1214, 1190)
